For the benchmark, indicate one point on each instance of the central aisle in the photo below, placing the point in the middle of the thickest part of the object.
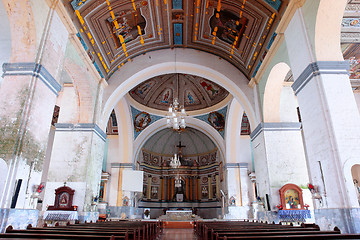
(178, 234)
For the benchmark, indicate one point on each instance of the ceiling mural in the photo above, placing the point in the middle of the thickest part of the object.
(193, 92)
(216, 119)
(142, 120)
(117, 31)
(352, 53)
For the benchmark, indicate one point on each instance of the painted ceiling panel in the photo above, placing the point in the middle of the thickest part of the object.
(193, 92)
(117, 31)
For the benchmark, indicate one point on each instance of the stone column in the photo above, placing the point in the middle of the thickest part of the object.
(196, 197)
(161, 190)
(187, 188)
(165, 188)
(217, 186)
(331, 127)
(209, 187)
(172, 188)
(149, 188)
(280, 147)
(191, 188)
(28, 94)
(168, 188)
(199, 188)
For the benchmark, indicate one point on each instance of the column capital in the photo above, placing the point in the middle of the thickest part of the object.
(317, 68)
(32, 69)
(123, 165)
(275, 126)
(236, 165)
(81, 127)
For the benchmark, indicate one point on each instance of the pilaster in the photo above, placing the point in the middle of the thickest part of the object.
(76, 160)
(280, 158)
(331, 125)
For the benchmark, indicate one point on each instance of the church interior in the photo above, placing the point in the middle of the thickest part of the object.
(179, 109)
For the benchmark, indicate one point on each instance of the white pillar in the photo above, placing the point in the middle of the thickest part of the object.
(279, 158)
(331, 127)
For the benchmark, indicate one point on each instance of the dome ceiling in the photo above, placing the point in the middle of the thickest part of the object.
(166, 140)
(114, 32)
(193, 92)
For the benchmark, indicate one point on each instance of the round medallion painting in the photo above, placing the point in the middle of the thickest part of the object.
(141, 121)
(217, 120)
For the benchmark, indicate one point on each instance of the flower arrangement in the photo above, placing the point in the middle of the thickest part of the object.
(280, 207)
(306, 206)
(311, 188)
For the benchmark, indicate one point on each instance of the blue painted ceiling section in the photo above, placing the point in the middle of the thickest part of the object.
(178, 35)
(177, 4)
(205, 118)
(274, 3)
(135, 112)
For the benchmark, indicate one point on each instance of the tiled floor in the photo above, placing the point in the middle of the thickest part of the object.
(178, 234)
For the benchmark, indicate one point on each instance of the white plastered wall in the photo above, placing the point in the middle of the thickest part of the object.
(5, 37)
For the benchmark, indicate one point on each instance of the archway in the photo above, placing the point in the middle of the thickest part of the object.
(355, 172)
(272, 94)
(189, 62)
(199, 171)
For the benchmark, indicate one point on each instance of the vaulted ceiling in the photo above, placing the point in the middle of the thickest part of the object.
(114, 32)
(193, 92)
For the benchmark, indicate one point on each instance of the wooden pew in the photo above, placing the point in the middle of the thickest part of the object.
(129, 230)
(258, 230)
(55, 236)
(309, 237)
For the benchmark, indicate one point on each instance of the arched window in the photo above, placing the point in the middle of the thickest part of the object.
(112, 127)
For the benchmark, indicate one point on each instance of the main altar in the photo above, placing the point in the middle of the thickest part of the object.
(178, 215)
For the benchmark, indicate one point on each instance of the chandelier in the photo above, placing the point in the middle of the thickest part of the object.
(175, 163)
(176, 116)
(177, 182)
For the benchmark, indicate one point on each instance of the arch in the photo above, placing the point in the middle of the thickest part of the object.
(272, 94)
(125, 131)
(328, 30)
(349, 183)
(78, 75)
(187, 61)
(24, 49)
(190, 122)
(355, 172)
(234, 141)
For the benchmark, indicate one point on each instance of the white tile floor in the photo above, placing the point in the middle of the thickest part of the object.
(178, 234)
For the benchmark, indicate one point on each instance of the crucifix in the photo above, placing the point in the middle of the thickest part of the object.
(180, 147)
